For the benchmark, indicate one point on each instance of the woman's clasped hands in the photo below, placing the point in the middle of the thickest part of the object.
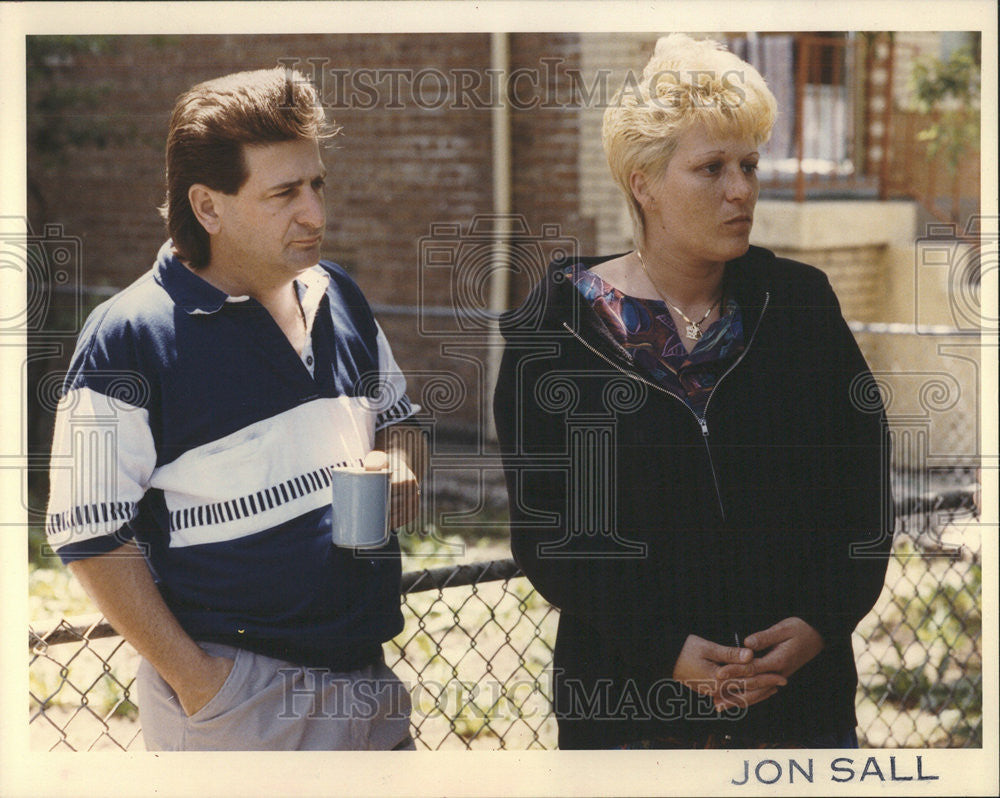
(746, 675)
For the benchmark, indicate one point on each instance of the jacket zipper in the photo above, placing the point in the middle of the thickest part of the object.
(702, 422)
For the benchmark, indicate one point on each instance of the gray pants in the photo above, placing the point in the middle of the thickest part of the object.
(269, 705)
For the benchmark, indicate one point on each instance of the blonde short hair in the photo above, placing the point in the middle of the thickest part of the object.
(687, 81)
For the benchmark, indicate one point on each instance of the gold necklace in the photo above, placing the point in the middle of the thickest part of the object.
(693, 329)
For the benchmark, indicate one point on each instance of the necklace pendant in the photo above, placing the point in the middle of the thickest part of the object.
(693, 332)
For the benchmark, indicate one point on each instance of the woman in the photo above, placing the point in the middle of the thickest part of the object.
(696, 457)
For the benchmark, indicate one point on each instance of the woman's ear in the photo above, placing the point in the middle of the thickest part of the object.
(640, 189)
(205, 204)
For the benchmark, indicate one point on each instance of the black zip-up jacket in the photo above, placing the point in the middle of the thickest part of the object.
(644, 523)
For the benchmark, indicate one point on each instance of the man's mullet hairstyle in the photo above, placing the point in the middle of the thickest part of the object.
(210, 125)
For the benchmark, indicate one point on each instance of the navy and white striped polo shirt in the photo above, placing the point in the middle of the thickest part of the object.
(191, 425)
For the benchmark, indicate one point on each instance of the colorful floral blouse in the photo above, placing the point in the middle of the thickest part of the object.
(646, 329)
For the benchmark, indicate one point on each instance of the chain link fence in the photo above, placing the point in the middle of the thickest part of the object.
(919, 651)
(476, 649)
(476, 652)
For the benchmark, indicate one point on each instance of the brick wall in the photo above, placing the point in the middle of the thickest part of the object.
(545, 172)
(406, 159)
(393, 171)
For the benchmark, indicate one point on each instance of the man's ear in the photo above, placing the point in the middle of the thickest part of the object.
(206, 205)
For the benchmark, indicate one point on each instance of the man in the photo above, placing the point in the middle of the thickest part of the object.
(204, 409)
